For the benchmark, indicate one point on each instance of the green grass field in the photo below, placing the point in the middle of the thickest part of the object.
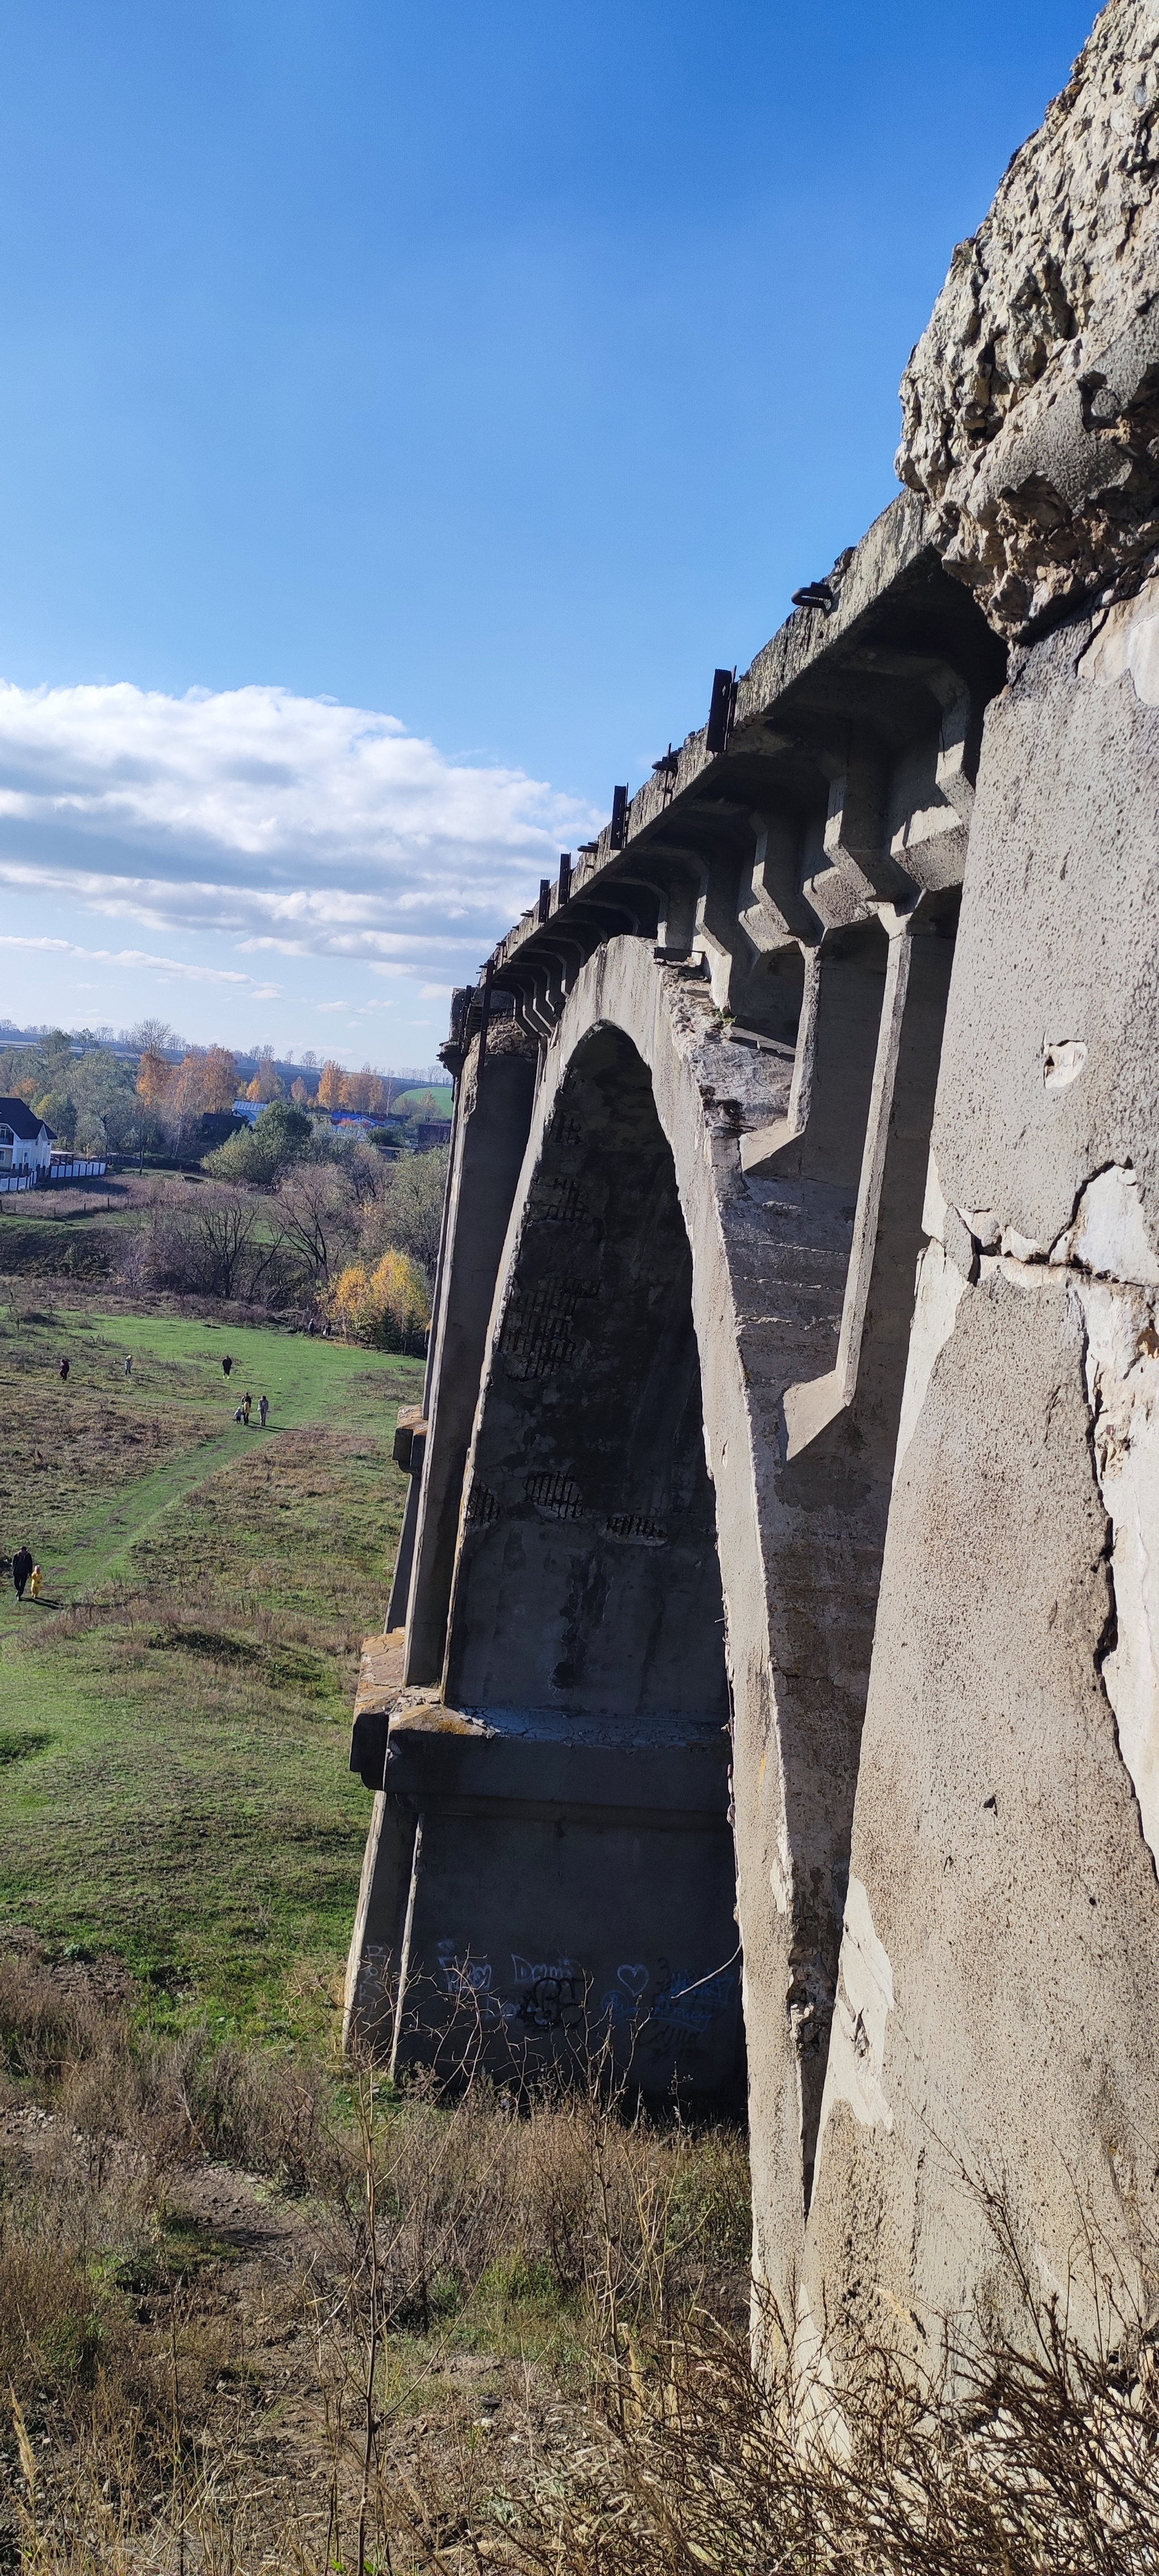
(175, 1709)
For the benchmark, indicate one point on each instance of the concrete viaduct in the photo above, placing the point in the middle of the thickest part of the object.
(770, 1691)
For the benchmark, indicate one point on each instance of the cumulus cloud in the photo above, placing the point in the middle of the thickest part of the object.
(288, 825)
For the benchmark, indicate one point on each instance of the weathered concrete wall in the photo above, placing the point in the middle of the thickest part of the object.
(784, 1420)
(995, 2015)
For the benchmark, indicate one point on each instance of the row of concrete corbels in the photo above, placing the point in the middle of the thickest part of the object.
(844, 785)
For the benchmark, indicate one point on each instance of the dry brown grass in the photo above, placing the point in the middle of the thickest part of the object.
(328, 2365)
(65, 1445)
(252, 2316)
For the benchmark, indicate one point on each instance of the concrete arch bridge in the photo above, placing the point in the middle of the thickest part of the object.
(768, 1691)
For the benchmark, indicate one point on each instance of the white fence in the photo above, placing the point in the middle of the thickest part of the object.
(63, 1167)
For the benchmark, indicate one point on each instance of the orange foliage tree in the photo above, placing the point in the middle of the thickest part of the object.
(330, 1086)
(205, 1080)
(384, 1306)
(154, 1077)
(267, 1083)
(356, 1089)
(219, 1076)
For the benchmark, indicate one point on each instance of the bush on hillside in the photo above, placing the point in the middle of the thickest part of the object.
(389, 1306)
(211, 1246)
(260, 1154)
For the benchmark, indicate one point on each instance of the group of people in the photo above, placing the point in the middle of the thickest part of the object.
(26, 1575)
(245, 1408)
(243, 1413)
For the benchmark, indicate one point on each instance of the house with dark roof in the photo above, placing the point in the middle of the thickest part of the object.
(26, 1141)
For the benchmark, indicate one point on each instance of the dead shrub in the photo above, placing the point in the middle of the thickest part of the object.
(48, 2018)
(241, 2107)
(1020, 2453)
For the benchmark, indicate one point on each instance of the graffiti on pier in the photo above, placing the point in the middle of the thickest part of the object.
(691, 2005)
(468, 1981)
(625, 2000)
(552, 1993)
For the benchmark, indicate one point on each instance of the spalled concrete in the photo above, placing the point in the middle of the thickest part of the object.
(1031, 403)
(787, 1516)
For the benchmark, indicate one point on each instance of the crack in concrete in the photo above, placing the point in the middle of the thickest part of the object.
(1105, 1255)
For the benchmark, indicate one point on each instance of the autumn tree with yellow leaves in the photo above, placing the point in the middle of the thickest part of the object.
(388, 1306)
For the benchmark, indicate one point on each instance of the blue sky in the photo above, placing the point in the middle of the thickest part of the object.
(487, 372)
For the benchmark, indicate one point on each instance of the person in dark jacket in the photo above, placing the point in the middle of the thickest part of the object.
(226, 1365)
(21, 1569)
(64, 1368)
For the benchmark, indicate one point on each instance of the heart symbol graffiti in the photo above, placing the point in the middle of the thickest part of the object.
(634, 1978)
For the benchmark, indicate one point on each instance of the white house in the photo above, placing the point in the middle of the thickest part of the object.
(26, 1141)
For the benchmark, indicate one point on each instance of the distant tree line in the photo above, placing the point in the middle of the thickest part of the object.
(90, 1100)
(100, 1100)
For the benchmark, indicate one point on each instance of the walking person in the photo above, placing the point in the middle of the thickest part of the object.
(64, 1369)
(129, 1365)
(21, 1569)
(35, 1580)
(226, 1365)
(246, 1406)
(264, 1411)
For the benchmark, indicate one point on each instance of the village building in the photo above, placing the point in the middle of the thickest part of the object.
(26, 1141)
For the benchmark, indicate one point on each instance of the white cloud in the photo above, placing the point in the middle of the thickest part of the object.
(138, 957)
(285, 824)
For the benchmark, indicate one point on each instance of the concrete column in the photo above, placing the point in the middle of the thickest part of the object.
(492, 1130)
(404, 1560)
(841, 1197)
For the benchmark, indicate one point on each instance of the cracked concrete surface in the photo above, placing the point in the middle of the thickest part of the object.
(1122, 1374)
(1114, 1263)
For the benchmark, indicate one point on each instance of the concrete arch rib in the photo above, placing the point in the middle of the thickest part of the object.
(825, 1227)
(758, 1330)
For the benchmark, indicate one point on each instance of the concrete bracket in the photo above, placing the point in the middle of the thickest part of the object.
(761, 1144)
(773, 911)
(812, 1404)
(855, 828)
